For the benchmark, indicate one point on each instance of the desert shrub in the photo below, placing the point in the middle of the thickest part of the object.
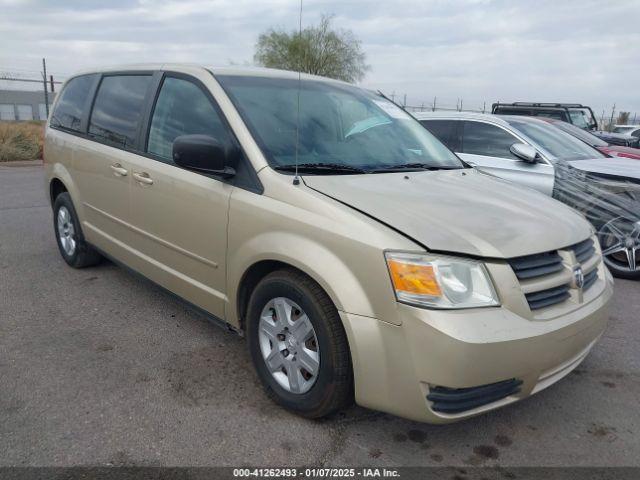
(21, 141)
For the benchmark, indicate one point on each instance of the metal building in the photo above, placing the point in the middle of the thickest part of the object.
(22, 105)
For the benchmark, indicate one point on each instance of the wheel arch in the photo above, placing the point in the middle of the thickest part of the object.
(255, 273)
(303, 255)
(59, 180)
(56, 187)
(59, 177)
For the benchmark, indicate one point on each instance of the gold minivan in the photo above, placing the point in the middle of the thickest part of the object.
(361, 258)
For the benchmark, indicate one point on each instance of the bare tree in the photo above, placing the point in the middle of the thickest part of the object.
(319, 50)
(623, 118)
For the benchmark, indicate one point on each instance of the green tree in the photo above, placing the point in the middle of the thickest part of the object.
(319, 50)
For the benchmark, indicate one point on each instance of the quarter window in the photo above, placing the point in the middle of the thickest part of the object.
(118, 108)
(182, 108)
(560, 115)
(489, 140)
(70, 105)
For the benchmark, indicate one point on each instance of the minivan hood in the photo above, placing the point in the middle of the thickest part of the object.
(616, 166)
(460, 211)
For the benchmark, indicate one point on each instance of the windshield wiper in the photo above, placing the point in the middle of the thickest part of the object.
(415, 167)
(320, 167)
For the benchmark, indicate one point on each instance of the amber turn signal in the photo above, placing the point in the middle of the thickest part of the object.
(412, 278)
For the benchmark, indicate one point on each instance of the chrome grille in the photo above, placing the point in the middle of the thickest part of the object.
(533, 266)
(590, 278)
(584, 250)
(545, 298)
(545, 278)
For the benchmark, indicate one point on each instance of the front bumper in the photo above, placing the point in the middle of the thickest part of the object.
(396, 367)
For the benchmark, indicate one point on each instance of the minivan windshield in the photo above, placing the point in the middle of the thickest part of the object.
(559, 144)
(341, 128)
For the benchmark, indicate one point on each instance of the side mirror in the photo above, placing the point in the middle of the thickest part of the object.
(205, 154)
(524, 152)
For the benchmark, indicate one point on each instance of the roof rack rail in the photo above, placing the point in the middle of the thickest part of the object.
(538, 104)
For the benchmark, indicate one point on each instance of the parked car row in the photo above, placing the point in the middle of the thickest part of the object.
(362, 258)
(528, 150)
(594, 141)
(578, 115)
(633, 130)
(619, 138)
(574, 113)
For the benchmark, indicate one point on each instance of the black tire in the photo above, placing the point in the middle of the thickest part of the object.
(619, 272)
(333, 387)
(83, 255)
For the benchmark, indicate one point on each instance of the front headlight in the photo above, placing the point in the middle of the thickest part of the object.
(440, 282)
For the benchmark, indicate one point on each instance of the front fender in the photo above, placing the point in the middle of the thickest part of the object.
(305, 254)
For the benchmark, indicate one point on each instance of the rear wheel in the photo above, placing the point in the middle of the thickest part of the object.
(298, 345)
(71, 243)
(620, 240)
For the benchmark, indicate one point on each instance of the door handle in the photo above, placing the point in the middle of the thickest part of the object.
(143, 178)
(119, 170)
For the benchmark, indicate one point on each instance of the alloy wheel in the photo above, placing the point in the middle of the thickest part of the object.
(66, 231)
(620, 239)
(289, 345)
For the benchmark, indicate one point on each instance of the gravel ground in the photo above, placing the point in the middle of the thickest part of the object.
(99, 367)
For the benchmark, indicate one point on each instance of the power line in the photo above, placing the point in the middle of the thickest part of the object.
(32, 80)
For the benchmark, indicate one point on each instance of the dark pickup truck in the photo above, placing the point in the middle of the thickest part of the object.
(575, 113)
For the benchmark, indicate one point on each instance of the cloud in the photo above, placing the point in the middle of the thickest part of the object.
(583, 51)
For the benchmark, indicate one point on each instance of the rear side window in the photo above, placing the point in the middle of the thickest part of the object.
(444, 130)
(117, 109)
(512, 111)
(70, 106)
(556, 114)
(489, 140)
(182, 108)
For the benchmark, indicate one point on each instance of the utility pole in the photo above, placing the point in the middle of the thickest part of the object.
(44, 83)
(484, 106)
(393, 96)
(422, 110)
(404, 102)
(611, 121)
(51, 80)
(434, 105)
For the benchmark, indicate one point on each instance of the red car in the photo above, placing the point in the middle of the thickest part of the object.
(595, 142)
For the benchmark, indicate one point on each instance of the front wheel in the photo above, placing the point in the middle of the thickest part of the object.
(620, 241)
(298, 345)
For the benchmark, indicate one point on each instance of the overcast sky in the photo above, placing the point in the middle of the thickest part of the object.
(580, 51)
